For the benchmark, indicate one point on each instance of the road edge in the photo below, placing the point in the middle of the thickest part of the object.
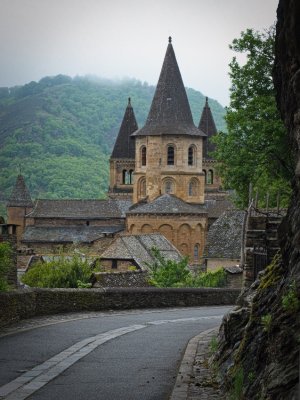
(185, 373)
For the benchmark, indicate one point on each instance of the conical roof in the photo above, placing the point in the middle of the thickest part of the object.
(170, 111)
(20, 196)
(124, 146)
(207, 125)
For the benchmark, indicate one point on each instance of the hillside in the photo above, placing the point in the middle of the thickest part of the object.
(60, 131)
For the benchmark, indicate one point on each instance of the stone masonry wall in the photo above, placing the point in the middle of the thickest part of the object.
(21, 304)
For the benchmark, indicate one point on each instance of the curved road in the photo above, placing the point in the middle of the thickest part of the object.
(129, 355)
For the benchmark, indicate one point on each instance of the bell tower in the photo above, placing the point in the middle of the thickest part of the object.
(168, 148)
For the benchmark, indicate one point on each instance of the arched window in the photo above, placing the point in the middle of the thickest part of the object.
(210, 177)
(131, 177)
(193, 187)
(191, 155)
(196, 252)
(126, 177)
(169, 186)
(142, 187)
(170, 155)
(205, 176)
(144, 155)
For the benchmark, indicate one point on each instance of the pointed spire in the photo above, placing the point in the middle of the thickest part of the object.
(207, 125)
(124, 146)
(170, 111)
(20, 196)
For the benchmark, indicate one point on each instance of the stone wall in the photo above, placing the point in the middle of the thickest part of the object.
(21, 304)
(121, 279)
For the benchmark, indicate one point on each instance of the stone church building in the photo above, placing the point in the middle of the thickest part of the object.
(162, 180)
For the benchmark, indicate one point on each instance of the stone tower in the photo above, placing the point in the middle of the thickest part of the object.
(168, 148)
(208, 126)
(122, 160)
(19, 205)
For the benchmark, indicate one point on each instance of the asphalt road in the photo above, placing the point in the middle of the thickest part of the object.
(129, 355)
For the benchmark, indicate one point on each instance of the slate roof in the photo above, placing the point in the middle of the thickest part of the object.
(207, 125)
(166, 204)
(170, 112)
(125, 145)
(20, 196)
(138, 248)
(215, 207)
(80, 209)
(225, 236)
(67, 234)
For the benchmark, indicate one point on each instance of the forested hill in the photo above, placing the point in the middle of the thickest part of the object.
(60, 132)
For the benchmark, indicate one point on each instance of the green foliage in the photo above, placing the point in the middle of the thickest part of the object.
(169, 273)
(238, 383)
(62, 131)
(208, 279)
(255, 149)
(5, 265)
(213, 345)
(266, 321)
(61, 272)
(290, 301)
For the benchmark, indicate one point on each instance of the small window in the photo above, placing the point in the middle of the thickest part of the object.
(87, 223)
(142, 187)
(205, 176)
(169, 187)
(210, 177)
(191, 155)
(114, 264)
(126, 178)
(130, 177)
(144, 155)
(193, 187)
(171, 155)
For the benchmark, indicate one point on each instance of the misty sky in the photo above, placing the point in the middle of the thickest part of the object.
(126, 38)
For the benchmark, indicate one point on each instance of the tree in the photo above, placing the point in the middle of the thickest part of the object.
(6, 262)
(255, 149)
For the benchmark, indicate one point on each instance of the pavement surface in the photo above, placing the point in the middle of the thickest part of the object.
(194, 379)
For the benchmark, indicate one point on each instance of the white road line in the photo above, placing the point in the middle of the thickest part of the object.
(31, 381)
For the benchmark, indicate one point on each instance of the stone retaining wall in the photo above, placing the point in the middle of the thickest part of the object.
(21, 304)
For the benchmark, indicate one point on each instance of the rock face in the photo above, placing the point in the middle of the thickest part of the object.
(258, 355)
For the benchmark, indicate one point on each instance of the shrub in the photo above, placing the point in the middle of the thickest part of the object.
(290, 301)
(59, 273)
(169, 273)
(5, 265)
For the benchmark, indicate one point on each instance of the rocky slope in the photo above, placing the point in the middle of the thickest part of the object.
(258, 354)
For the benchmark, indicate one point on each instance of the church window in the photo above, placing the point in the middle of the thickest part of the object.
(169, 186)
(205, 176)
(191, 155)
(142, 187)
(193, 187)
(130, 177)
(171, 155)
(126, 177)
(210, 177)
(144, 155)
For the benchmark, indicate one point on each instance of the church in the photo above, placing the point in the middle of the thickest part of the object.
(162, 180)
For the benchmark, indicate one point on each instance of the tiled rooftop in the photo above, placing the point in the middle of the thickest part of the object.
(138, 248)
(67, 234)
(224, 239)
(80, 209)
(167, 204)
